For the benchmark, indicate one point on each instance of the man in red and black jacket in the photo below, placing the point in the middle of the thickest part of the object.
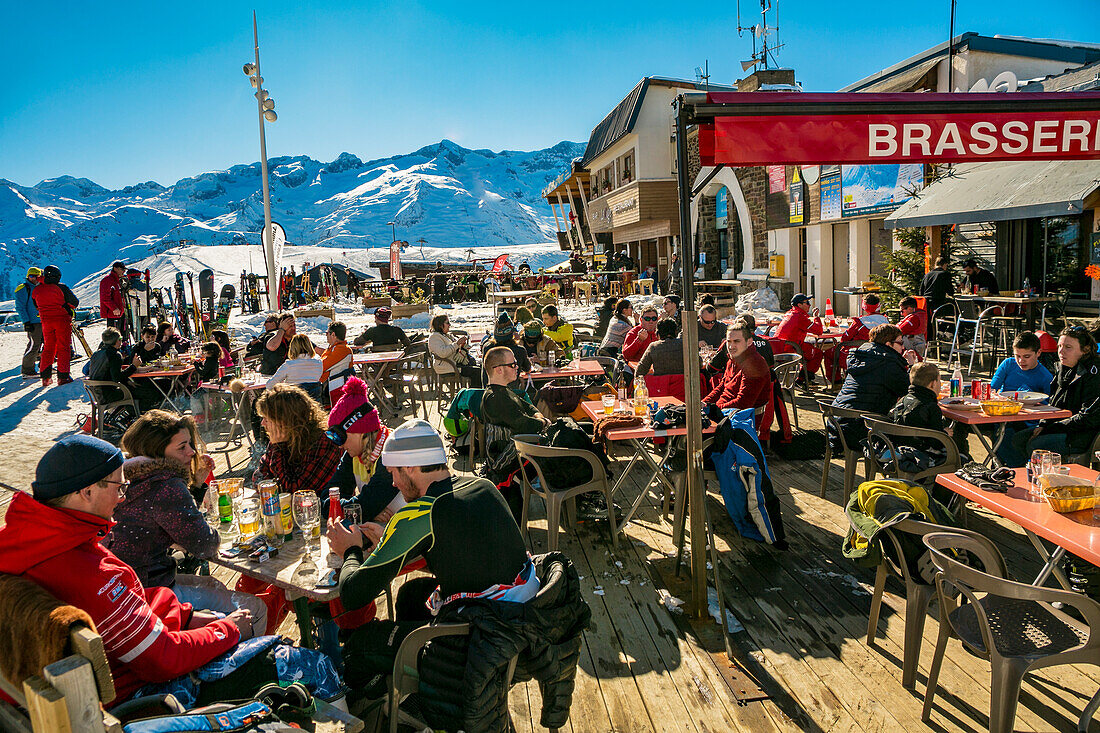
(747, 381)
(111, 303)
(52, 537)
(795, 327)
(56, 304)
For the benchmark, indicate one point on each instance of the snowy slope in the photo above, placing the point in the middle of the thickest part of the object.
(448, 195)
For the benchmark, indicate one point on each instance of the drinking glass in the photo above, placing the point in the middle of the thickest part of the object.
(608, 403)
(1052, 462)
(248, 518)
(307, 514)
(1035, 470)
(353, 513)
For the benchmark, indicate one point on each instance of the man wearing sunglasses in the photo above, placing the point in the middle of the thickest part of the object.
(641, 336)
(712, 332)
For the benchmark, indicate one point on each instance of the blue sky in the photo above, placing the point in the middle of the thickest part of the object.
(124, 92)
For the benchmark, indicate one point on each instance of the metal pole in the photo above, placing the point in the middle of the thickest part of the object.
(951, 51)
(269, 245)
(692, 398)
(1046, 246)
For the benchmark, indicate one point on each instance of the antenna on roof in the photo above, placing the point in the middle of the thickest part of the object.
(702, 76)
(761, 31)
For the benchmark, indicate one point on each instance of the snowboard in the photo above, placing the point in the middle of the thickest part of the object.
(206, 298)
(225, 305)
(79, 333)
(195, 307)
(179, 306)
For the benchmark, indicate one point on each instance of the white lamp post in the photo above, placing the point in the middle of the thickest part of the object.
(265, 107)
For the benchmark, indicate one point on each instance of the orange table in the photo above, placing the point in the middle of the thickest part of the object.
(636, 438)
(1078, 532)
(977, 417)
(173, 375)
(576, 368)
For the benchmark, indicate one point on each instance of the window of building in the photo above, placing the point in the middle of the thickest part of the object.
(627, 167)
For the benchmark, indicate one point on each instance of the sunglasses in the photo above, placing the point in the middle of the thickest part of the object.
(649, 318)
(513, 364)
(705, 322)
(338, 434)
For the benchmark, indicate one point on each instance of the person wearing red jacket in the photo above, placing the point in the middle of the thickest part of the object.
(641, 336)
(55, 303)
(913, 325)
(795, 326)
(111, 303)
(859, 330)
(747, 381)
(52, 537)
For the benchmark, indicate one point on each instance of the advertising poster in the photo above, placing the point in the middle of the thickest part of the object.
(721, 209)
(777, 178)
(797, 198)
(830, 195)
(872, 189)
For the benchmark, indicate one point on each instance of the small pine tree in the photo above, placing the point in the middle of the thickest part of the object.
(904, 266)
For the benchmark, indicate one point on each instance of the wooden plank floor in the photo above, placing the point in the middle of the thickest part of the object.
(804, 618)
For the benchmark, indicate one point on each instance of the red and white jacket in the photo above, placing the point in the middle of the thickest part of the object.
(144, 630)
(637, 339)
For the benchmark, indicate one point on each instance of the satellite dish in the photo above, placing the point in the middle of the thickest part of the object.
(810, 173)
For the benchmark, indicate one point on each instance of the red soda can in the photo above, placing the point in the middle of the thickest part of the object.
(976, 389)
(986, 390)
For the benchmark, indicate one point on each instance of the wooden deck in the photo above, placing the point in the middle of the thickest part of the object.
(804, 617)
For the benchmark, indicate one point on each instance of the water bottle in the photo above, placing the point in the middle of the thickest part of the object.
(1027, 286)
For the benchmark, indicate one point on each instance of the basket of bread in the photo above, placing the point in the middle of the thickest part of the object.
(999, 408)
(1067, 494)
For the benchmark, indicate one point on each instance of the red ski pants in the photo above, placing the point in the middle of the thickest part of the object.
(57, 335)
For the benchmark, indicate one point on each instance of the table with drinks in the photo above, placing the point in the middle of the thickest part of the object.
(991, 408)
(644, 407)
(165, 377)
(276, 538)
(576, 368)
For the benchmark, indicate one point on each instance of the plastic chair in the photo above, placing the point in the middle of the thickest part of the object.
(645, 286)
(886, 431)
(787, 367)
(102, 409)
(1011, 624)
(529, 450)
(832, 415)
(918, 593)
(583, 287)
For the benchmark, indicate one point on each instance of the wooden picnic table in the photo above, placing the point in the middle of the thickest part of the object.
(974, 416)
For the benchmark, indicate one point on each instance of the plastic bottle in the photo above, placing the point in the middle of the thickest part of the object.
(641, 398)
(1027, 285)
(335, 508)
(956, 382)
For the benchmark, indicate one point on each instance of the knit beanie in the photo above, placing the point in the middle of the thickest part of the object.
(504, 327)
(414, 443)
(73, 463)
(382, 315)
(353, 398)
(532, 329)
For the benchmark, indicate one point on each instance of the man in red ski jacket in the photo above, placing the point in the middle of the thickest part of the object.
(913, 325)
(111, 303)
(641, 336)
(55, 303)
(795, 326)
(747, 381)
(53, 538)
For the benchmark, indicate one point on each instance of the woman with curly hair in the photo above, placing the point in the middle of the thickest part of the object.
(167, 473)
(299, 455)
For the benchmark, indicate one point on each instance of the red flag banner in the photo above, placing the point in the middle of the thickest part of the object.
(395, 260)
(762, 128)
(499, 263)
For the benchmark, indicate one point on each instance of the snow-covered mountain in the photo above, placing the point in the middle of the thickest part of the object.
(445, 194)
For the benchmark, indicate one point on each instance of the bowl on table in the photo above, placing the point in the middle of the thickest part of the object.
(1001, 408)
(1067, 494)
(1027, 398)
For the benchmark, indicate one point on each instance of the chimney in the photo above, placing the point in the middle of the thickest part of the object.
(767, 79)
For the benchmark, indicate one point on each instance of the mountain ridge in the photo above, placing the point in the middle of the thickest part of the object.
(442, 193)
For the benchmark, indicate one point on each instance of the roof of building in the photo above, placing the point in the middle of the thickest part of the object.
(1071, 52)
(992, 191)
(620, 121)
(1083, 79)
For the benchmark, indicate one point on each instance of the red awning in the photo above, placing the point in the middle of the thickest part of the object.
(762, 128)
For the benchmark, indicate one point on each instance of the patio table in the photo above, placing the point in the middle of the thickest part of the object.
(635, 438)
(173, 375)
(374, 368)
(576, 368)
(977, 417)
(1027, 305)
(252, 384)
(280, 572)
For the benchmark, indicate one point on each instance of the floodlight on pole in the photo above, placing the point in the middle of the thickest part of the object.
(265, 110)
(393, 228)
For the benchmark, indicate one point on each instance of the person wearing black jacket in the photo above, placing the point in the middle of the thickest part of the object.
(920, 407)
(978, 279)
(603, 316)
(106, 365)
(1076, 387)
(878, 376)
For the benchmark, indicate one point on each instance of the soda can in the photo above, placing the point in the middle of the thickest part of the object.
(285, 505)
(269, 498)
(987, 390)
(976, 389)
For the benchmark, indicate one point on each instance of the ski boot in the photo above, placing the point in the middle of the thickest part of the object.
(63, 378)
(47, 376)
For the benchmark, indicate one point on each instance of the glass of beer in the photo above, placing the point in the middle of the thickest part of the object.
(608, 403)
(248, 518)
